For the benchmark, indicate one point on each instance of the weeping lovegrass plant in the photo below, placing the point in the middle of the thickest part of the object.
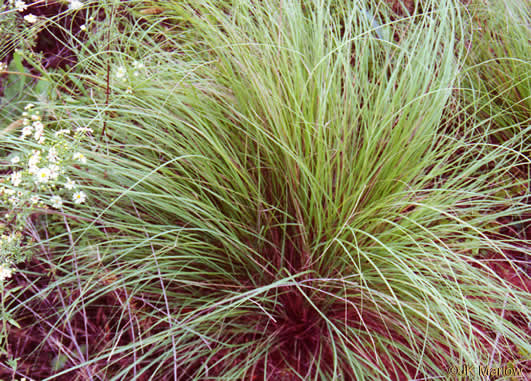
(282, 191)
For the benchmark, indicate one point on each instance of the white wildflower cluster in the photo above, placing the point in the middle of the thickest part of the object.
(19, 5)
(39, 177)
(9, 243)
(127, 73)
(5, 271)
(3, 66)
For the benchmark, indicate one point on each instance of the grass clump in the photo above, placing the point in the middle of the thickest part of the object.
(498, 71)
(282, 190)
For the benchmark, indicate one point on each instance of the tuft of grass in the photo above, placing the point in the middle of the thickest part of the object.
(497, 67)
(287, 190)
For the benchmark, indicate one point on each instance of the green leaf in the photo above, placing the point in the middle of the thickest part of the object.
(16, 82)
(13, 322)
(42, 87)
(59, 362)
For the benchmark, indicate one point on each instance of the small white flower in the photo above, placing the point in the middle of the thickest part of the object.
(9, 191)
(39, 129)
(35, 117)
(29, 106)
(43, 175)
(25, 121)
(38, 125)
(41, 140)
(57, 201)
(34, 199)
(129, 90)
(70, 184)
(30, 18)
(84, 129)
(75, 4)
(20, 5)
(83, 27)
(26, 131)
(3, 66)
(34, 158)
(138, 65)
(54, 171)
(121, 72)
(79, 156)
(15, 160)
(16, 178)
(79, 197)
(5, 272)
(136, 73)
(52, 155)
(62, 132)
